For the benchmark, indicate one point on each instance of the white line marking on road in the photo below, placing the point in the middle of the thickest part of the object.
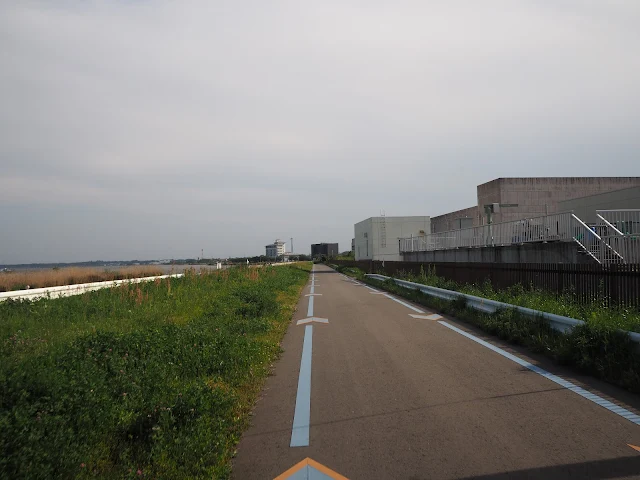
(302, 413)
(313, 295)
(618, 410)
(433, 316)
(377, 293)
(403, 303)
(310, 308)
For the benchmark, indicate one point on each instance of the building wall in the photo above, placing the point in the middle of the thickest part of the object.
(381, 242)
(362, 236)
(327, 249)
(585, 207)
(536, 196)
(446, 222)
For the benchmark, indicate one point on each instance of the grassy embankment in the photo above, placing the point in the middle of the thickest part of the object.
(153, 380)
(55, 277)
(598, 347)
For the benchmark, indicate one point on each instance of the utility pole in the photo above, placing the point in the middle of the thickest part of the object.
(291, 244)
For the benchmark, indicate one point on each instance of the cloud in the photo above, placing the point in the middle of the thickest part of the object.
(256, 120)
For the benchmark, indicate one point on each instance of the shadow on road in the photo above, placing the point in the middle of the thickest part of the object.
(599, 469)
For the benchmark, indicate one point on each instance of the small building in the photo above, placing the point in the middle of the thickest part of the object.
(377, 238)
(327, 249)
(276, 249)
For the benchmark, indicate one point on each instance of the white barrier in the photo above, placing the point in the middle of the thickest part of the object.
(68, 290)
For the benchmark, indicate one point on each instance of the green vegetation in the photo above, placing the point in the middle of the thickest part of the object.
(597, 347)
(152, 380)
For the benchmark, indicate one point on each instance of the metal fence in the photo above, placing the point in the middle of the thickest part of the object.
(623, 222)
(559, 226)
(603, 242)
(616, 284)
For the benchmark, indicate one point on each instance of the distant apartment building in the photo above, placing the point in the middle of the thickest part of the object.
(276, 249)
(528, 198)
(327, 249)
(377, 238)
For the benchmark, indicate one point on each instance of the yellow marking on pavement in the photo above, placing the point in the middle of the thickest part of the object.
(634, 447)
(310, 463)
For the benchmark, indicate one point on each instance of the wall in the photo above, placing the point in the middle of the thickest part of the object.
(446, 222)
(396, 227)
(364, 249)
(559, 252)
(532, 194)
(379, 245)
(585, 207)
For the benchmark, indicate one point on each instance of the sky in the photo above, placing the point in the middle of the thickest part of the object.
(159, 129)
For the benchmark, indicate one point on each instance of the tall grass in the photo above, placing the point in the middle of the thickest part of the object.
(71, 275)
(152, 380)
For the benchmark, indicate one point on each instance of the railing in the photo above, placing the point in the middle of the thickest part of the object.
(559, 226)
(627, 248)
(625, 222)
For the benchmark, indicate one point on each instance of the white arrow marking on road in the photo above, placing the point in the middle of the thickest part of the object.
(312, 319)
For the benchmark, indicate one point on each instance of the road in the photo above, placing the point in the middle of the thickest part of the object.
(398, 397)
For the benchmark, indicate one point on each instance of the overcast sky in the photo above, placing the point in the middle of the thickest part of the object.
(154, 129)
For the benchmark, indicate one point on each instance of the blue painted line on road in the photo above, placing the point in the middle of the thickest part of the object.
(302, 414)
(310, 309)
(404, 303)
(618, 410)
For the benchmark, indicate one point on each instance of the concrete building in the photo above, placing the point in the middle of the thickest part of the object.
(533, 196)
(467, 217)
(537, 196)
(327, 249)
(585, 207)
(376, 238)
(276, 249)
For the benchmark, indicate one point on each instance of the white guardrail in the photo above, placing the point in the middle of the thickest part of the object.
(69, 290)
(557, 322)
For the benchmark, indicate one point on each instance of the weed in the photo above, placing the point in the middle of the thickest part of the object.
(157, 378)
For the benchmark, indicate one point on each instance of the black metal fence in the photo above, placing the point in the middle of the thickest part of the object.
(613, 284)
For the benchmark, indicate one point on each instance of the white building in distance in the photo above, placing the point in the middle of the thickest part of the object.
(276, 249)
(376, 238)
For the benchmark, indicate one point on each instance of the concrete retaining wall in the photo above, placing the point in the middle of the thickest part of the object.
(560, 252)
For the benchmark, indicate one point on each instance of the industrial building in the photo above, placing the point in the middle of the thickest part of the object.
(327, 249)
(585, 207)
(376, 238)
(527, 198)
(276, 249)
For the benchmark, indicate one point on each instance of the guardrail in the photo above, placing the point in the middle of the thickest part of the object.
(77, 289)
(557, 322)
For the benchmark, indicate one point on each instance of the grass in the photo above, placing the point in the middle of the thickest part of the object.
(70, 275)
(597, 347)
(153, 380)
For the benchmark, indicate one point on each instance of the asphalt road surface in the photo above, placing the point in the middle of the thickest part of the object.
(398, 397)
